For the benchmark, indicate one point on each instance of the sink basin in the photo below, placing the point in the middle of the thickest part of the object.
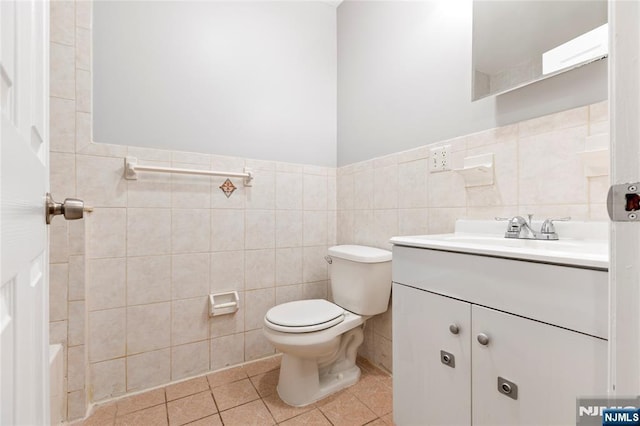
(591, 251)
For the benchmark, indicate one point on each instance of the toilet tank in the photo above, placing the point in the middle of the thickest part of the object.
(360, 278)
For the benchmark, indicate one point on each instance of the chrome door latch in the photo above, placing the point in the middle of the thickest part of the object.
(623, 202)
(448, 359)
(70, 208)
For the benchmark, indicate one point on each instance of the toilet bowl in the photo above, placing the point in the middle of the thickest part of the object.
(320, 339)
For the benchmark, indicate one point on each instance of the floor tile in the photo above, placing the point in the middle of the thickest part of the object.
(190, 408)
(234, 394)
(347, 410)
(388, 419)
(141, 401)
(281, 411)
(186, 388)
(156, 416)
(312, 418)
(375, 395)
(226, 376)
(266, 383)
(208, 421)
(103, 415)
(252, 414)
(262, 366)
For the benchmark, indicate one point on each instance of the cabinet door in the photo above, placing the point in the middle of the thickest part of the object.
(551, 366)
(426, 391)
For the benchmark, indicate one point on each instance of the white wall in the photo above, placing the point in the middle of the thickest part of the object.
(247, 79)
(404, 79)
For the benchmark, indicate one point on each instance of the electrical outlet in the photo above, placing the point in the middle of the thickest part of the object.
(439, 159)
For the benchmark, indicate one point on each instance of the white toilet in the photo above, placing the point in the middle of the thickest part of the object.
(319, 339)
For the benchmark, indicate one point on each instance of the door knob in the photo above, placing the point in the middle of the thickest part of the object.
(70, 208)
(454, 328)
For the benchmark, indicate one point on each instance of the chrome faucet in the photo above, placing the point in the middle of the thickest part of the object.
(521, 228)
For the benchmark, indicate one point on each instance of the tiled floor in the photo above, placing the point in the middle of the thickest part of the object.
(247, 395)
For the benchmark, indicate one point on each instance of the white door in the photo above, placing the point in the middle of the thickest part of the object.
(24, 180)
(624, 272)
(427, 391)
(550, 366)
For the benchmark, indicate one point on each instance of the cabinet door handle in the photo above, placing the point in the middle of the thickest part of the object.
(483, 339)
(454, 328)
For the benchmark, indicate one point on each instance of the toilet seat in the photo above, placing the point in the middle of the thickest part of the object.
(304, 316)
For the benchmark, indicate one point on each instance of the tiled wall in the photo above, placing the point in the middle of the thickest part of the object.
(538, 170)
(157, 246)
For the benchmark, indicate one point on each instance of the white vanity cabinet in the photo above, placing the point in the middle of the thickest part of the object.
(442, 301)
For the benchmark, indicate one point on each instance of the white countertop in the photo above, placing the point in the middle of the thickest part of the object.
(584, 244)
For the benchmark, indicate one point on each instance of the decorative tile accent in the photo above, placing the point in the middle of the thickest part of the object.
(228, 187)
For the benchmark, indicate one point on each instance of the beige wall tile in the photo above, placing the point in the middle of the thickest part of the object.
(101, 182)
(554, 122)
(190, 320)
(288, 266)
(314, 192)
(148, 279)
(559, 179)
(314, 228)
(289, 228)
(148, 369)
(83, 90)
(62, 125)
(227, 229)
(84, 134)
(77, 405)
(227, 351)
(192, 158)
(413, 221)
(63, 172)
(77, 316)
(317, 290)
(77, 236)
(260, 229)
(288, 189)
(76, 278)
(332, 196)
(108, 379)
(107, 334)
(446, 189)
(83, 48)
(107, 233)
(257, 303)
(58, 332)
(488, 137)
(62, 76)
(314, 267)
(148, 232)
(143, 331)
(191, 191)
(599, 112)
(63, 15)
(150, 189)
(385, 227)
(151, 155)
(261, 195)
(227, 271)
(190, 230)
(504, 190)
(59, 241)
(260, 269)
(190, 359)
(363, 223)
(363, 189)
(58, 290)
(345, 192)
(385, 185)
(345, 227)
(442, 221)
(106, 283)
(76, 372)
(288, 293)
(84, 11)
(412, 184)
(190, 275)
(541, 212)
(256, 345)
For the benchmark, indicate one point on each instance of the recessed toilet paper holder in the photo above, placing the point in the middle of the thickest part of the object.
(223, 303)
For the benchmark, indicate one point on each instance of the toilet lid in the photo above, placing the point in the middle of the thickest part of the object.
(304, 316)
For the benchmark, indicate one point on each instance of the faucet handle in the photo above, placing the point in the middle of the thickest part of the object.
(548, 227)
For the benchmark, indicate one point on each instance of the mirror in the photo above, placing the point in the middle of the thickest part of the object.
(516, 43)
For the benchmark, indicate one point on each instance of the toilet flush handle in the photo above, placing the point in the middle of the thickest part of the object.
(328, 259)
